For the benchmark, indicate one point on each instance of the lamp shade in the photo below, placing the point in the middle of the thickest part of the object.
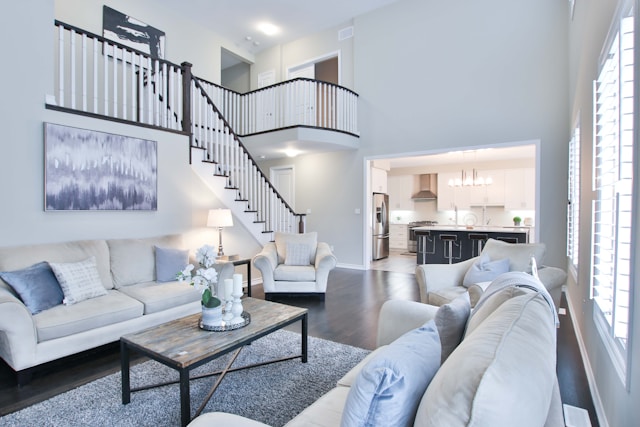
(220, 218)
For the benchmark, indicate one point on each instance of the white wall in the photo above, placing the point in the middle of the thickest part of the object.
(282, 57)
(434, 76)
(185, 40)
(618, 405)
(183, 200)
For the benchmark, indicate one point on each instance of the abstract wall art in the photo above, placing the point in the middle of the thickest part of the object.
(89, 170)
(133, 33)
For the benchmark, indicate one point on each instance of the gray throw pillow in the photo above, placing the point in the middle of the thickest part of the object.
(451, 320)
(79, 280)
(36, 285)
(169, 262)
(388, 389)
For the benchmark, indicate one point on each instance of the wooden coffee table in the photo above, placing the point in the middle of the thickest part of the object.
(183, 346)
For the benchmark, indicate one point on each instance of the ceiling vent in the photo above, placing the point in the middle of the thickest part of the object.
(345, 33)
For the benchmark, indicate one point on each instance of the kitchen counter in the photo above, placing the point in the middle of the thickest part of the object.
(442, 244)
(487, 228)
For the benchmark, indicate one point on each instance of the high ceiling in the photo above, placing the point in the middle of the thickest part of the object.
(237, 19)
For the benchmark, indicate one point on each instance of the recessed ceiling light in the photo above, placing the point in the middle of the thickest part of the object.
(268, 28)
(248, 38)
(290, 152)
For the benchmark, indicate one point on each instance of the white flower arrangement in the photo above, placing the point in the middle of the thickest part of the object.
(204, 278)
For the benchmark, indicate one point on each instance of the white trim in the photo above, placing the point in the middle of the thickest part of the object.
(351, 266)
(313, 61)
(591, 379)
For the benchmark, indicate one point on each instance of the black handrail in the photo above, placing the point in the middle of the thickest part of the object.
(244, 149)
(284, 82)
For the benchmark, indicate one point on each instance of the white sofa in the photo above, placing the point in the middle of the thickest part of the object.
(441, 283)
(502, 373)
(134, 300)
(295, 264)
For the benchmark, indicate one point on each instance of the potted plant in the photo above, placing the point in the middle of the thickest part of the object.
(204, 280)
(517, 220)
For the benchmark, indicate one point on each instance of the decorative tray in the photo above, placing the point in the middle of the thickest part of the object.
(223, 327)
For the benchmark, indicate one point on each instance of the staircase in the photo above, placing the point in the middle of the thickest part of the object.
(104, 79)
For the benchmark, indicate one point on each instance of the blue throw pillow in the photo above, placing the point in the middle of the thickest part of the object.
(169, 262)
(36, 285)
(485, 270)
(389, 388)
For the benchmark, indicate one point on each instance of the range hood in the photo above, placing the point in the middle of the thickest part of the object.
(428, 187)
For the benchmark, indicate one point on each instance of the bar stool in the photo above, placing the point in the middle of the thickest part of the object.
(424, 238)
(478, 240)
(449, 239)
(507, 239)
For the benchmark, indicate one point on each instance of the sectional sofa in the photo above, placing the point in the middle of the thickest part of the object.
(130, 298)
(449, 366)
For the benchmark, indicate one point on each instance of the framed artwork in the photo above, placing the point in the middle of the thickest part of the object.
(89, 170)
(132, 32)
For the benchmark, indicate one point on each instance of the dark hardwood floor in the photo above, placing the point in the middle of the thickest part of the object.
(349, 315)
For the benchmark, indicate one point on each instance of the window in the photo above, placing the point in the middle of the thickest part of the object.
(613, 179)
(573, 209)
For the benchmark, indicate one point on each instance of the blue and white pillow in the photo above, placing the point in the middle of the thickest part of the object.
(79, 280)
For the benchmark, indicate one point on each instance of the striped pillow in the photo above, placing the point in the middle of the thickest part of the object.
(79, 280)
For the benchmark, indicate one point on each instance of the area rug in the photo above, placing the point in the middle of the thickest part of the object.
(272, 394)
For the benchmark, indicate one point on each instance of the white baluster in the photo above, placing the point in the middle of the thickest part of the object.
(95, 76)
(116, 50)
(84, 72)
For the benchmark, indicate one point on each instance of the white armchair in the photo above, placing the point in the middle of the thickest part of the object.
(295, 264)
(441, 283)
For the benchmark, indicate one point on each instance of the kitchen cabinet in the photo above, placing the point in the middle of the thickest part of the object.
(379, 180)
(489, 195)
(401, 188)
(520, 189)
(398, 236)
(451, 197)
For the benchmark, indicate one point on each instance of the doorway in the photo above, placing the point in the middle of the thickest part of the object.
(283, 179)
(325, 68)
(234, 72)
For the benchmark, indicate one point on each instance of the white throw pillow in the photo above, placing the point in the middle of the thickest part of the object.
(283, 239)
(79, 280)
(519, 254)
(389, 388)
(451, 320)
(485, 270)
(297, 254)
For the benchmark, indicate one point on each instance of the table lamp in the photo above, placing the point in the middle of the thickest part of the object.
(220, 218)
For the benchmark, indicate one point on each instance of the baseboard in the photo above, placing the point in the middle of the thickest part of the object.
(591, 379)
(351, 266)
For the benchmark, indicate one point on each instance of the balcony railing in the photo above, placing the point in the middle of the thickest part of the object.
(98, 77)
(298, 102)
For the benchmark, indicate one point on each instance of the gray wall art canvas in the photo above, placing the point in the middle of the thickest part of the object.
(89, 170)
(133, 33)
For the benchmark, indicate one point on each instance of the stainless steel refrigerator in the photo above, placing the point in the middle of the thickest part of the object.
(380, 226)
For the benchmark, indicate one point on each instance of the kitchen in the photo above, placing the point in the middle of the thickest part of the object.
(443, 207)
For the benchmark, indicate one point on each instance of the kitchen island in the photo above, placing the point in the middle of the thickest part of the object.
(443, 244)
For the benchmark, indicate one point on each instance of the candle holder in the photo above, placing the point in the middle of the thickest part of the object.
(237, 309)
(227, 316)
